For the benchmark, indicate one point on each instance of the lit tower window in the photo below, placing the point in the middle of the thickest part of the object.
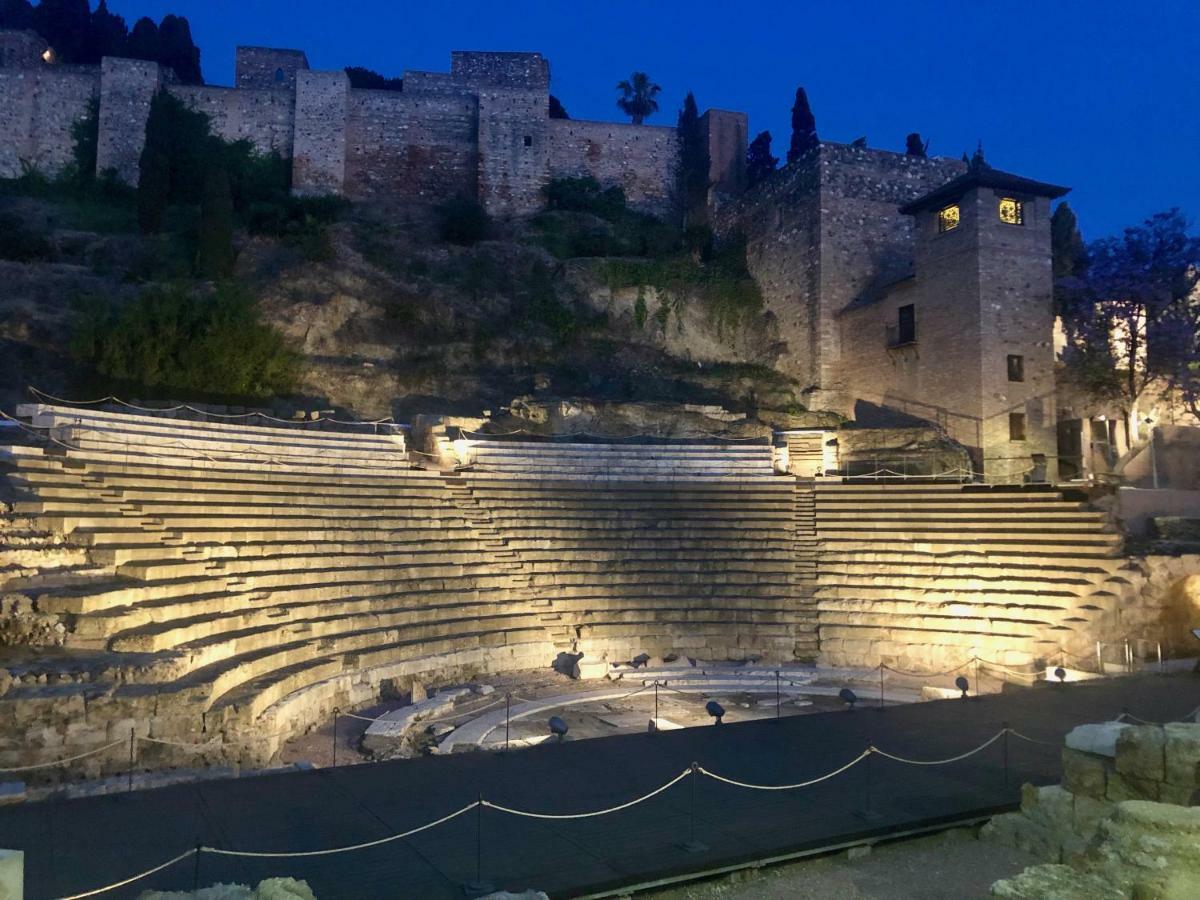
(1012, 212)
(948, 218)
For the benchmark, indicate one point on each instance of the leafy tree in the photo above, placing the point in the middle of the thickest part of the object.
(16, 14)
(110, 36)
(914, 146)
(67, 26)
(143, 40)
(759, 161)
(585, 195)
(638, 97)
(177, 50)
(183, 137)
(804, 127)
(1130, 315)
(691, 176)
(557, 110)
(367, 79)
(172, 340)
(214, 250)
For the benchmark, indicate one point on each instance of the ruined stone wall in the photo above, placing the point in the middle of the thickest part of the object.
(265, 118)
(319, 151)
(726, 132)
(37, 109)
(513, 149)
(411, 146)
(639, 158)
(127, 86)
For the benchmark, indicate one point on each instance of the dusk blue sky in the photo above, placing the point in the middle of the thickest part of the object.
(1096, 94)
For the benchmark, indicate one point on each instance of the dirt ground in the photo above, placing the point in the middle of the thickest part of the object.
(953, 865)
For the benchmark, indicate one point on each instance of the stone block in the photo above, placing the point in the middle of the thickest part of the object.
(1049, 805)
(1141, 753)
(1182, 761)
(1089, 813)
(1056, 882)
(1099, 739)
(1085, 774)
(12, 874)
(1019, 832)
(1130, 787)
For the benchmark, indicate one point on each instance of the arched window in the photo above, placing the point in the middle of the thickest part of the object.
(279, 76)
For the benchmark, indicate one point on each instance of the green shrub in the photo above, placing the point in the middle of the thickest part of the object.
(585, 195)
(462, 221)
(171, 340)
(20, 242)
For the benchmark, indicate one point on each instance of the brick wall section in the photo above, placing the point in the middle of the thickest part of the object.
(418, 146)
(37, 109)
(319, 153)
(266, 118)
(513, 149)
(639, 158)
(267, 68)
(127, 86)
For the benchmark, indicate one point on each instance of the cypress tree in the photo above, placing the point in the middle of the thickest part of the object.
(914, 146)
(143, 40)
(1069, 254)
(67, 26)
(153, 190)
(692, 174)
(804, 127)
(177, 50)
(759, 161)
(109, 34)
(214, 248)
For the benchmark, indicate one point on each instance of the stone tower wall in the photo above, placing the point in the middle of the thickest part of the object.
(267, 68)
(319, 152)
(727, 141)
(37, 109)
(127, 87)
(514, 149)
(21, 49)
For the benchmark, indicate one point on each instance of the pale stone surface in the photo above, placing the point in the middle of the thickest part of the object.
(1056, 882)
(12, 875)
(268, 889)
(1099, 739)
(1085, 774)
(1141, 752)
(1183, 753)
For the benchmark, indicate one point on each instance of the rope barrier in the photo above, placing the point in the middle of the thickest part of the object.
(59, 762)
(1025, 737)
(112, 887)
(211, 742)
(940, 762)
(260, 854)
(599, 812)
(963, 665)
(786, 787)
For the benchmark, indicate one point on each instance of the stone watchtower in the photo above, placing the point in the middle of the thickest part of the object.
(966, 339)
(265, 67)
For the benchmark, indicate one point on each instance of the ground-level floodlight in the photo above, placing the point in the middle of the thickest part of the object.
(716, 710)
(963, 685)
(848, 697)
(1061, 674)
(558, 727)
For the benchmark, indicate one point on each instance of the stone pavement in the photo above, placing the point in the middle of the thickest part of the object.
(77, 845)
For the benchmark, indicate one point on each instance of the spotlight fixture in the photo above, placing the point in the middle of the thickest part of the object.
(558, 727)
(715, 709)
(848, 697)
(963, 685)
(1061, 674)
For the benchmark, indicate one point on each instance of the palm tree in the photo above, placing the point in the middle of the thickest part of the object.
(637, 97)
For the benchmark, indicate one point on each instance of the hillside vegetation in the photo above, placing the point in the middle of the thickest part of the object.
(249, 295)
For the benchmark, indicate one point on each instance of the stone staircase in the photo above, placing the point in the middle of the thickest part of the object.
(923, 576)
(622, 461)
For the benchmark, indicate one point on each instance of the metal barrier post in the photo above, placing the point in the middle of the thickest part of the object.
(692, 845)
(881, 685)
(129, 786)
(778, 697)
(1005, 749)
(507, 718)
(336, 711)
(196, 868)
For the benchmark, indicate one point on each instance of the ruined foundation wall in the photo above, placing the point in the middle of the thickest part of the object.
(319, 153)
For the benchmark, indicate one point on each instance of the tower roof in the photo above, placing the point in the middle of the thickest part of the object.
(980, 174)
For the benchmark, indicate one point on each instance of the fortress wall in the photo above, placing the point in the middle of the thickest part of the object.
(420, 147)
(319, 151)
(266, 118)
(513, 148)
(37, 109)
(639, 158)
(127, 86)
